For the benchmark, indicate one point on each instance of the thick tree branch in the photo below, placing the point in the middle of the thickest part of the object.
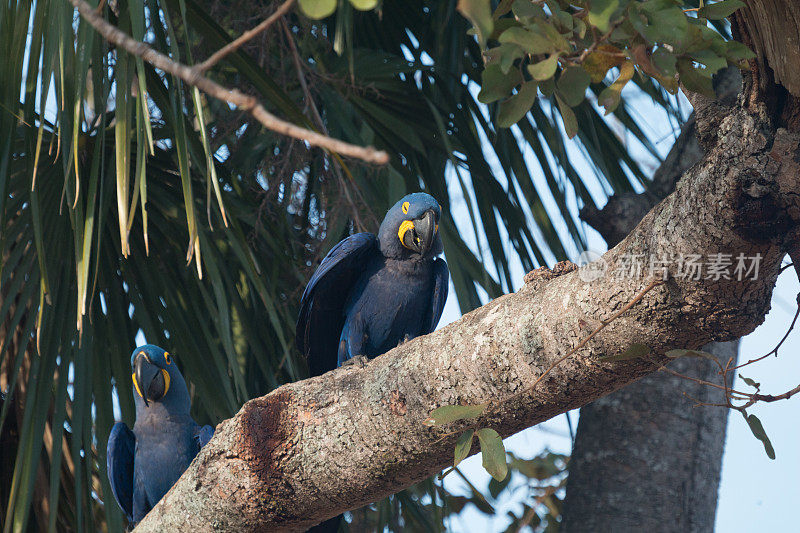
(194, 77)
(310, 450)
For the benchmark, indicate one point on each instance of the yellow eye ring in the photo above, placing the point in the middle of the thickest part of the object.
(166, 357)
(405, 207)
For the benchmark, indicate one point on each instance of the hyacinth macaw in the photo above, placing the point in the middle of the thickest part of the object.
(143, 464)
(371, 293)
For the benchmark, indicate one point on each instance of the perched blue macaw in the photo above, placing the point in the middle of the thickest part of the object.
(143, 464)
(371, 293)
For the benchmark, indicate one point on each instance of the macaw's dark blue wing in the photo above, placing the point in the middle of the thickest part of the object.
(321, 318)
(441, 284)
(203, 435)
(119, 460)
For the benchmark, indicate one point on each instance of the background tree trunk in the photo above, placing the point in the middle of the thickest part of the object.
(644, 459)
(649, 430)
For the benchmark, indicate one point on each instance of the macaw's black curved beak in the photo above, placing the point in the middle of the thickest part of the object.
(420, 237)
(149, 379)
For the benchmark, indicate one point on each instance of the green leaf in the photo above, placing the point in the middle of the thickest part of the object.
(580, 28)
(479, 12)
(547, 87)
(711, 60)
(526, 8)
(317, 9)
(564, 20)
(544, 69)
(451, 413)
(720, 10)
(651, 6)
(514, 108)
(500, 25)
(664, 26)
(496, 85)
(493, 453)
(758, 432)
(664, 61)
(634, 351)
(572, 85)
(541, 467)
(736, 51)
(558, 43)
(750, 382)
(504, 56)
(601, 12)
(463, 446)
(570, 122)
(531, 42)
(695, 79)
(364, 5)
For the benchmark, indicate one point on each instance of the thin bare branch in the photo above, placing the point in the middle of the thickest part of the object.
(777, 347)
(234, 45)
(770, 398)
(704, 382)
(193, 77)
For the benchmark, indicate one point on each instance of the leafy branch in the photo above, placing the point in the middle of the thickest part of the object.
(559, 48)
(194, 77)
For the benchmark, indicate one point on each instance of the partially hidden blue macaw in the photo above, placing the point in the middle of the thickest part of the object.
(371, 293)
(143, 464)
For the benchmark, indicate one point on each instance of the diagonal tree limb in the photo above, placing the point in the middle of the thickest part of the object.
(313, 449)
(195, 78)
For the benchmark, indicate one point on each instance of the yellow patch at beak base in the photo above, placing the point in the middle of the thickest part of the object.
(166, 381)
(401, 232)
(136, 385)
(164, 373)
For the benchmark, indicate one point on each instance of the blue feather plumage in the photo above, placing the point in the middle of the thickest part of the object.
(371, 293)
(143, 464)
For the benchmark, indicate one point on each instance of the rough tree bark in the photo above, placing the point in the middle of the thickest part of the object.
(313, 449)
(649, 430)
